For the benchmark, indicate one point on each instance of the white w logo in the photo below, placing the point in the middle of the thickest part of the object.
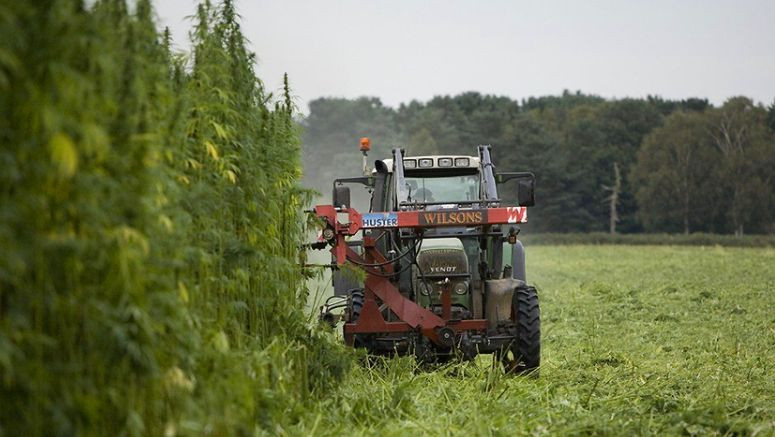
(515, 213)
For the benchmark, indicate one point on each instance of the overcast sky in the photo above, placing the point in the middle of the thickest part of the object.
(401, 50)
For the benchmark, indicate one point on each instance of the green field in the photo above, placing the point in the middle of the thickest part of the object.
(151, 219)
(637, 340)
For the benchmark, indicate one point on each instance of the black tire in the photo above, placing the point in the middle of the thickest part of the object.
(355, 306)
(525, 350)
(356, 303)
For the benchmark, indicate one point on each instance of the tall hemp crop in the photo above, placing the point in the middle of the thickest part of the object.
(149, 229)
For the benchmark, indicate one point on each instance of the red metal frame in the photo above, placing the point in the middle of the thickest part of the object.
(413, 317)
(415, 219)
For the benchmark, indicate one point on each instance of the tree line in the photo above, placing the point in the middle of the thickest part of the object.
(149, 229)
(613, 165)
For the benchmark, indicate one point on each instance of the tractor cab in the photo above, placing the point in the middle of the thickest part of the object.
(433, 180)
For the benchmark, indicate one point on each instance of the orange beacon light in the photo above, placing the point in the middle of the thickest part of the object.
(365, 144)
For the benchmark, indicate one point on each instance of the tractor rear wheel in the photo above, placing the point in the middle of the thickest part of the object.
(524, 353)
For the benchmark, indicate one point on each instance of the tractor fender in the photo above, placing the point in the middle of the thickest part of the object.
(499, 294)
(518, 262)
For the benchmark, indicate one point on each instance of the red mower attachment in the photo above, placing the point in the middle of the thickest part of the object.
(440, 330)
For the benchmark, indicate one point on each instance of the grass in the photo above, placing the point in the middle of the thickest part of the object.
(637, 340)
(695, 239)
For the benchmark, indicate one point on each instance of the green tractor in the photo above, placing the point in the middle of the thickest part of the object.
(445, 271)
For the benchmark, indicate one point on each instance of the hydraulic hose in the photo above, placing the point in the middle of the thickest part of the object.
(418, 245)
(409, 250)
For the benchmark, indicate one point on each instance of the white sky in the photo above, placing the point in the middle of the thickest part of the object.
(401, 50)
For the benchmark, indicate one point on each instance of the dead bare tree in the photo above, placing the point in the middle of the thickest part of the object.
(731, 138)
(613, 199)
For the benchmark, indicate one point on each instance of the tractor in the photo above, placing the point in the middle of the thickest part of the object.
(444, 270)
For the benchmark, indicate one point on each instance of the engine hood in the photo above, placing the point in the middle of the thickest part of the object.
(442, 255)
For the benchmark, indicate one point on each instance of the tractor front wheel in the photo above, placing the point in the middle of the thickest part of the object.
(524, 353)
(354, 307)
(355, 304)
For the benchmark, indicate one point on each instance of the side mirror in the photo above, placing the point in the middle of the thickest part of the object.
(525, 189)
(341, 196)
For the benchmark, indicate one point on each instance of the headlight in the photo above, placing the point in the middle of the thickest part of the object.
(410, 163)
(426, 162)
(445, 162)
(462, 162)
(461, 288)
